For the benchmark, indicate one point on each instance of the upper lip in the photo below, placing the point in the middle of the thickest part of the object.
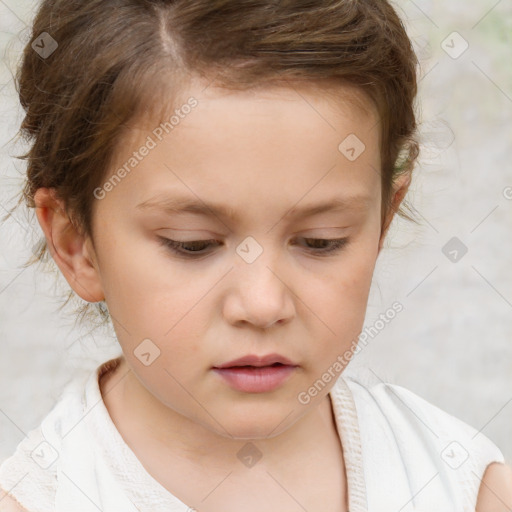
(254, 360)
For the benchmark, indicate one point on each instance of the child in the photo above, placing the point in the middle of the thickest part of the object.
(222, 174)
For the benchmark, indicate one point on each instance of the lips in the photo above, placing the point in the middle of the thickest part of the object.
(258, 361)
(256, 374)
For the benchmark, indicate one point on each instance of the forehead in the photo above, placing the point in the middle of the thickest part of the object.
(158, 98)
(324, 98)
(268, 142)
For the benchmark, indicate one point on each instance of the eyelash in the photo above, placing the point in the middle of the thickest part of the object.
(178, 247)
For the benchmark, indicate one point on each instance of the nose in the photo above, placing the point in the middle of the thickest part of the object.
(259, 294)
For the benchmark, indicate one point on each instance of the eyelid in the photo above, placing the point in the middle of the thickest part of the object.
(337, 245)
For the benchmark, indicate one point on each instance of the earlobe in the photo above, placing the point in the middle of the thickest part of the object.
(68, 248)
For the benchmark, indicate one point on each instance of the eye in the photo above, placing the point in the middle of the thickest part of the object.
(197, 248)
(329, 246)
(191, 249)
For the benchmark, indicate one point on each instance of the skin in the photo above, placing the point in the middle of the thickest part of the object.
(262, 154)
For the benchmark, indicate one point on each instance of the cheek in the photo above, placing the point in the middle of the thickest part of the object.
(349, 279)
(340, 298)
(150, 299)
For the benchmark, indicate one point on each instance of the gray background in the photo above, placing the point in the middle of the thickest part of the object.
(451, 344)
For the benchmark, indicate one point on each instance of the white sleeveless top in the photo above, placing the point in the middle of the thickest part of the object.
(401, 453)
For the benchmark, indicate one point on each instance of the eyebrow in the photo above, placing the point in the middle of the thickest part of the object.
(175, 205)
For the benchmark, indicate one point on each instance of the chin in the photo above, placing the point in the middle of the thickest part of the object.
(255, 423)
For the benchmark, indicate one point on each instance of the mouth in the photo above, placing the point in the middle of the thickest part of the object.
(256, 379)
(255, 361)
(254, 366)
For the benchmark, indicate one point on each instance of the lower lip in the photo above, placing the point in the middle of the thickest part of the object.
(256, 379)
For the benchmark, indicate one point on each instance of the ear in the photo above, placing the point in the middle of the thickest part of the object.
(73, 254)
(400, 188)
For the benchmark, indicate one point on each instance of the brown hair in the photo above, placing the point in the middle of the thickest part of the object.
(117, 60)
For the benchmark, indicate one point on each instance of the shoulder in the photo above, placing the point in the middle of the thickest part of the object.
(403, 412)
(495, 493)
(404, 409)
(9, 504)
(31, 471)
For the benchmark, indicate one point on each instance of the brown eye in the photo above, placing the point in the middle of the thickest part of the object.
(318, 246)
(327, 246)
(192, 248)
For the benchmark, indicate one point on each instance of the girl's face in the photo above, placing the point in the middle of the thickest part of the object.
(256, 166)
